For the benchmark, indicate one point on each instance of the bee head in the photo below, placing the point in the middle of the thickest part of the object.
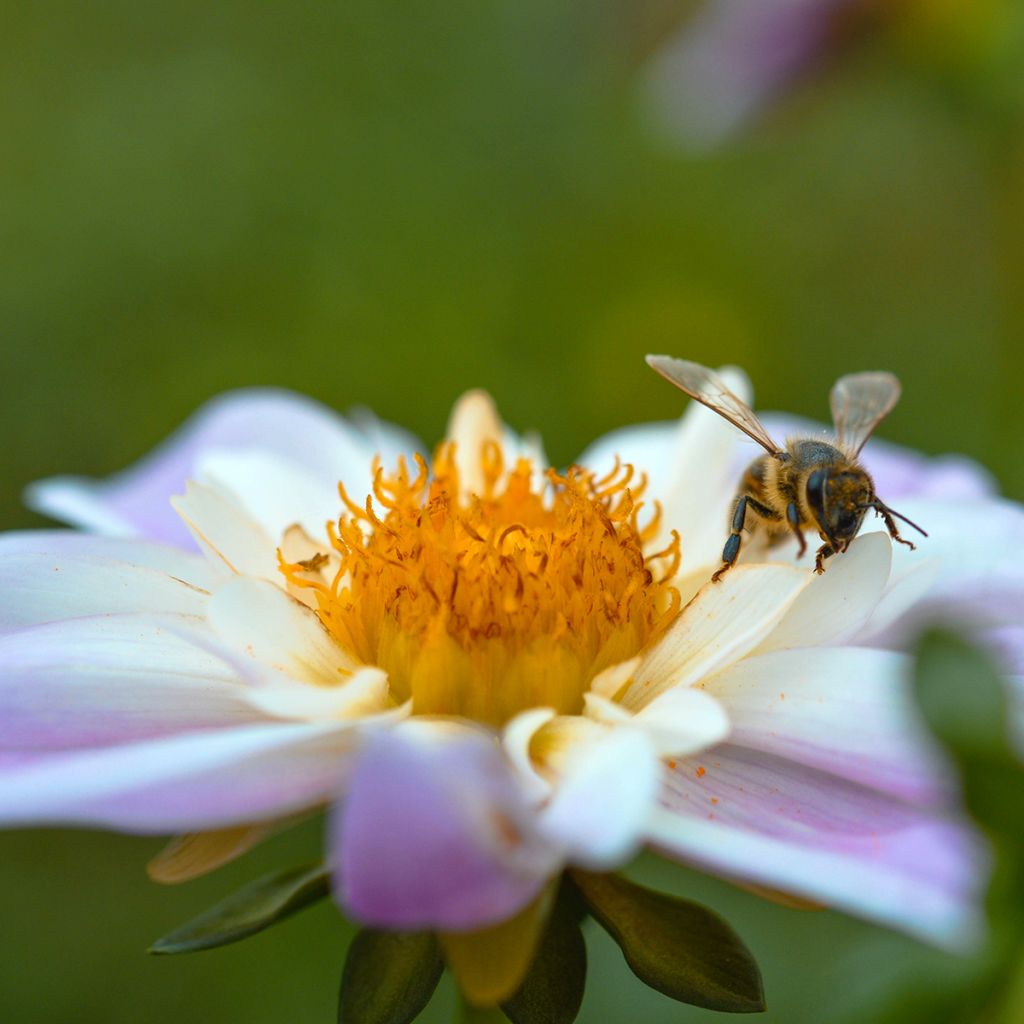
(839, 498)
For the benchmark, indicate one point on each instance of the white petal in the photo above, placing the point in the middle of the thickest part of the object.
(474, 423)
(48, 576)
(835, 605)
(720, 625)
(228, 537)
(603, 800)
(259, 620)
(274, 493)
(848, 711)
(111, 679)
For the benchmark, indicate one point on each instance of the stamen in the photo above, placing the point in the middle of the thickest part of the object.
(486, 604)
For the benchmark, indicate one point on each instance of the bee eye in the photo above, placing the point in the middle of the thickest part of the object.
(816, 494)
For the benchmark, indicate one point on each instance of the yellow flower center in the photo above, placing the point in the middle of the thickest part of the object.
(484, 604)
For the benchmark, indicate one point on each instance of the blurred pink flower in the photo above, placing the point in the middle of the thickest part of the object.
(544, 685)
(734, 58)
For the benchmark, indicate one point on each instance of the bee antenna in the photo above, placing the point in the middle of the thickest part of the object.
(882, 507)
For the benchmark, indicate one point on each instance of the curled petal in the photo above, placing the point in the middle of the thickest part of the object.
(364, 693)
(517, 736)
(603, 799)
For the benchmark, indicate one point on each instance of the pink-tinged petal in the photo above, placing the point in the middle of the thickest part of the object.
(182, 783)
(297, 430)
(601, 803)
(767, 821)
(848, 711)
(435, 833)
(273, 631)
(50, 575)
(723, 623)
(836, 605)
(111, 679)
(228, 536)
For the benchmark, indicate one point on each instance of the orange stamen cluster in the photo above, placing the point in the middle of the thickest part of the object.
(481, 605)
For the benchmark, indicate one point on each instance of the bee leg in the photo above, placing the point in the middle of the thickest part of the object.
(793, 518)
(825, 551)
(732, 546)
(890, 525)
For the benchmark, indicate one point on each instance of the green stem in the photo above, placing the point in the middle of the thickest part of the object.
(470, 1014)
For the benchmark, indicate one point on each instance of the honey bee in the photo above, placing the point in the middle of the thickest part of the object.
(810, 483)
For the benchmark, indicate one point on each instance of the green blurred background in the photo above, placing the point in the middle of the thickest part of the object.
(383, 204)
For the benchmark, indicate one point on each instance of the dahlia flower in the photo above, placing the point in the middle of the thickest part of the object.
(488, 671)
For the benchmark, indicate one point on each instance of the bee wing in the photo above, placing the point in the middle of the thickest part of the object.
(859, 403)
(705, 386)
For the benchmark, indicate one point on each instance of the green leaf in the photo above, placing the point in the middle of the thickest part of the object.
(675, 946)
(389, 977)
(260, 904)
(552, 991)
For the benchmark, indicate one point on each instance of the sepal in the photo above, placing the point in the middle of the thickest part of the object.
(677, 947)
(256, 906)
(388, 977)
